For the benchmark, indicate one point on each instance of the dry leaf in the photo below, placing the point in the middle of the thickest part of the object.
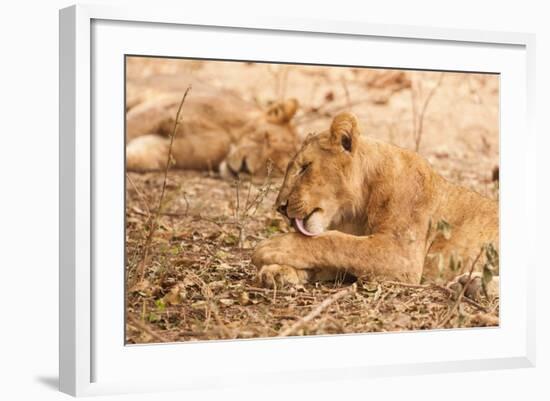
(175, 296)
(244, 299)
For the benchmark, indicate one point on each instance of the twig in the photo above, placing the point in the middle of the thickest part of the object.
(280, 78)
(142, 326)
(284, 83)
(243, 214)
(248, 192)
(186, 203)
(169, 157)
(465, 299)
(221, 224)
(153, 221)
(346, 91)
(226, 332)
(407, 285)
(263, 191)
(417, 130)
(238, 215)
(174, 214)
(317, 311)
(313, 91)
(140, 194)
(314, 114)
(414, 109)
(473, 90)
(461, 295)
(440, 288)
(279, 292)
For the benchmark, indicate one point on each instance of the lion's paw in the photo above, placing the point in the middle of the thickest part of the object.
(280, 276)
(286, 250)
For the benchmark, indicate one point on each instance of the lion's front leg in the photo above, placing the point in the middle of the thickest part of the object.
(290, 249)
(333, 253)
(287, 261)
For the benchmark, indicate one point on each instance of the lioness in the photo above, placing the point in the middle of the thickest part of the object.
(370, 209)
(217, 131)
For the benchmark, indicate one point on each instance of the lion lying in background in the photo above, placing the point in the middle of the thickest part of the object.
(371, 209)
(217, 131)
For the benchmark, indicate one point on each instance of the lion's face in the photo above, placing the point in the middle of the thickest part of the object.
(268, 141)
(320, 184)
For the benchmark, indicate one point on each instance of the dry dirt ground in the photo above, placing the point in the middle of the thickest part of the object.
(192, 278)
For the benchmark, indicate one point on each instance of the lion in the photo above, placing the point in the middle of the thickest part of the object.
(368, 209)
(217, 131)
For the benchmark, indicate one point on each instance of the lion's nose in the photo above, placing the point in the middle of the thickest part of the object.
(282, 208)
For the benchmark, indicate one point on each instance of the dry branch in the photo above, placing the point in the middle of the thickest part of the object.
(267, 291)
(317, 311)
(142, 326)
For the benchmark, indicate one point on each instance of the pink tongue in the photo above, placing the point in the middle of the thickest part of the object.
(299, 224)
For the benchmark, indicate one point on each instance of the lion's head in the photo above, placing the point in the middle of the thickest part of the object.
(269, 140)
(321, 183)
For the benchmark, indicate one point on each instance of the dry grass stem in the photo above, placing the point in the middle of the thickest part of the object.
(244, 213)
(418, 118)
(153, 220)
(346, 92)
(452, 309)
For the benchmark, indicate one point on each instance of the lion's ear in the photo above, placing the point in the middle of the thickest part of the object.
(282, 112)
(290, 107)
(344, 131)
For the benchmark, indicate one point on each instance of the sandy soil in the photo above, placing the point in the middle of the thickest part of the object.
(198, 283)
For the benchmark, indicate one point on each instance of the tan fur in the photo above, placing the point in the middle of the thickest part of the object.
(217, 130)
(378, 207)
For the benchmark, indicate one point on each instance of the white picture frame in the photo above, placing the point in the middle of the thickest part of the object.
(93, 358)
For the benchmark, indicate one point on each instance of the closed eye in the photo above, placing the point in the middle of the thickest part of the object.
(274, 112)
(304, 168)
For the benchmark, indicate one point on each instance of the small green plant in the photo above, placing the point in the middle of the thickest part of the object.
(161, 306)
(490, 267)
